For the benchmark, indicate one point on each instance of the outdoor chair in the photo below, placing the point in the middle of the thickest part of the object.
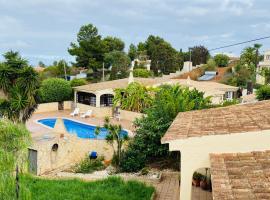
(75, 112)
(88, 113)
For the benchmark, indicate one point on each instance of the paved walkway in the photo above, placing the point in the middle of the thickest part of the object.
(168, 187)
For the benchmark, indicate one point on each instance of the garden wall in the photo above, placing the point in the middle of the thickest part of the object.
(70, 151)
(50, 107)
(131, 116)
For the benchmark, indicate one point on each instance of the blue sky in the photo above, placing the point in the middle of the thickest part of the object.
(43, 29)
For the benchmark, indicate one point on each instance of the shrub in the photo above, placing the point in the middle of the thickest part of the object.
(55, 90)
(144, 73)
(211, 65)
(78, 82)
(221, 60)
(263, 93)
(89, 165)
(168, 102)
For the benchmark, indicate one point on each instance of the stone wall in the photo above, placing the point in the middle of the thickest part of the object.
(70, 151)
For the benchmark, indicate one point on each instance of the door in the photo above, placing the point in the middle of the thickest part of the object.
(32, 157)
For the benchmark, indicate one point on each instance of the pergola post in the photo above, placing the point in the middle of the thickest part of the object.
(186, 183)
(98, 100)
(75, 99)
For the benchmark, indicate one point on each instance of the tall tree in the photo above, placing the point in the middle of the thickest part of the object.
(199, 55)
(132, 51)
(163, 56)
(113, 44)
(20, 83)
(89, 50)
(119, 61)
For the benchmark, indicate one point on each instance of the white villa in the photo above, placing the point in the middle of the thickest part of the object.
(264, 64)
(101, 94)
(234, 142)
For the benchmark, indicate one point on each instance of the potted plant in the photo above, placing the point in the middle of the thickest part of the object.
(203, 182)
(196, 179)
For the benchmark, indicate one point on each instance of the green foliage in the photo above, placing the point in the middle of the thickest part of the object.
(114, 138)
(242, 74)
(14, 140)
(211, 65)
(144, 73)
(55, 90)
(163, 56)
(197, 176)
(168, 101)
(132, 52)
(20, 83)
(199, 55)
(135, 97)
(221, 60)
(78, 82)
(57, 70)
(89, 165)
(263, 93)
(112, 188)
(113, 44)
(120, 62)
(266, 73)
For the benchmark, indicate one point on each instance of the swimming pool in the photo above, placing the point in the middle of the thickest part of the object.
(82, 130)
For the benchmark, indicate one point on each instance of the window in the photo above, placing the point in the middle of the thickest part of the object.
(87, 98)
(228, 95)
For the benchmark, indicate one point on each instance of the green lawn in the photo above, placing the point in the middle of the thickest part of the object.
(113, 188)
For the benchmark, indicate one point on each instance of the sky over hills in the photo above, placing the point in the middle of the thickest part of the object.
(43, 29)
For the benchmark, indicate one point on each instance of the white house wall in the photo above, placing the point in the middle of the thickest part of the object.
(195, 152)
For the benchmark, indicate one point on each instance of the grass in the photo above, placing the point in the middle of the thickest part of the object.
(112, 188)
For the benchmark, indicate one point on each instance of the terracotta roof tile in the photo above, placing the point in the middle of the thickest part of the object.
(217, 121)
(241, 176)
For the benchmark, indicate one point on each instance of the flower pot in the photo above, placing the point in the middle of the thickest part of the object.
(203, 185)
(196, 183)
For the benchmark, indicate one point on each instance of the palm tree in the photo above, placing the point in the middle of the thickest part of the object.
(115, 136)
(257, 47)
(20, 84)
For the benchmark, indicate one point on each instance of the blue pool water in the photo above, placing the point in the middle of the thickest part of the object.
(81, 130)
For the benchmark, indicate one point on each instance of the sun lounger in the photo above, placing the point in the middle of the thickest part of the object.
(75, 112)
(88, 113)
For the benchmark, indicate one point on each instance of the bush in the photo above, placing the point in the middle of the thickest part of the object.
(263, 93)
(146, 144)
(210, 66)
(89, 165)
(132, 160)
(78, 82)
(55, 90)
(221, 60)
(144, 73)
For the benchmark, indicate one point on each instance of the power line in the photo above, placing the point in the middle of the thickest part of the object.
(231, 45)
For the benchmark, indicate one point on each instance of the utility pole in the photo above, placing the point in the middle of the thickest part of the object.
(65, 69)
(103, 76)
(189, 58)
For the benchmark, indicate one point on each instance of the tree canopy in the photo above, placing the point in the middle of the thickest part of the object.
(199, 55)
(19, 83)
(55, 90)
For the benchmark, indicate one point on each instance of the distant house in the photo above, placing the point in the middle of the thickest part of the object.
(77, 76)
(232, 142)
(142, 60)
(39, 69)
(264, 64)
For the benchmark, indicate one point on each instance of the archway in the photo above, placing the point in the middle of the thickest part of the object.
(87, 98)
(106, 100)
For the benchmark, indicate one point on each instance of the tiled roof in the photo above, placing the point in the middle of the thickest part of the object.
(241, 176)
(120, 83)
(219, 121)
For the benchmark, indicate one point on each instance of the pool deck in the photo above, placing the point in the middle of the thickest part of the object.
(38, 130)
